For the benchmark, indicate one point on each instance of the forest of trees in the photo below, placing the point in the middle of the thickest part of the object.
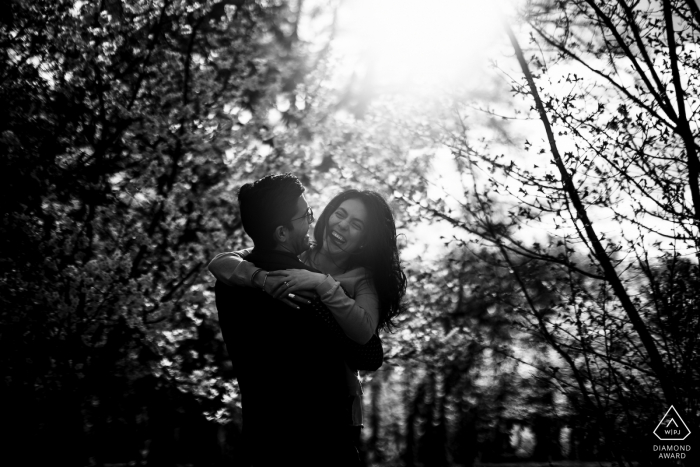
(559, 320)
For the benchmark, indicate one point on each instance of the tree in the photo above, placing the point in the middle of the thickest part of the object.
(612, 88)
(613, 181)
(125, 126)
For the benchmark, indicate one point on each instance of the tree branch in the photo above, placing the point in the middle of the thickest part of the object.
(656, 361)
(682, 121)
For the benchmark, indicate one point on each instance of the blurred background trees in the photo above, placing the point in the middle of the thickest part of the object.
(119, 129)
(586, 217)
(549, 220)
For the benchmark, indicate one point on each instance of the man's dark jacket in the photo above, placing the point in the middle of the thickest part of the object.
(291, 373)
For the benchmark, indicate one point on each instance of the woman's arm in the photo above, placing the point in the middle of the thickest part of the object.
(357, 316)
(232, 269)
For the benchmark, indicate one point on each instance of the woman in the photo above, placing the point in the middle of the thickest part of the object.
(356, 251)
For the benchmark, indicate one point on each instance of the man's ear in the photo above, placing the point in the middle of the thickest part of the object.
(281, 234)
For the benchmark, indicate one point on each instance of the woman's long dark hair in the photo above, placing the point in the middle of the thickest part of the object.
(380, 253)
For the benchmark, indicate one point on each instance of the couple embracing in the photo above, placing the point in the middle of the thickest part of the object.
(299, 321)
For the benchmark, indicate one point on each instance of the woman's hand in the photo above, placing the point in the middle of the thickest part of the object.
(275, 286)
(293, 281)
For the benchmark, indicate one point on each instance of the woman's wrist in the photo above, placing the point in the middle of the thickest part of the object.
(321, 278)
(325, 284)
(252, 276)
(259, 278)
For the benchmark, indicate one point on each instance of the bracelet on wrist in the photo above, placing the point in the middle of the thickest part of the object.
(265, 280)
(252, 277)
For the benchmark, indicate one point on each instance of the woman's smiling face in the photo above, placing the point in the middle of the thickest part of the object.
(345, 231)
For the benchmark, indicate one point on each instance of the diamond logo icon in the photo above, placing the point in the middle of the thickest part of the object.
(671, 427)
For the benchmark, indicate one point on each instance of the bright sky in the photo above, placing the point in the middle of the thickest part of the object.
(416, 47)
(408, 42)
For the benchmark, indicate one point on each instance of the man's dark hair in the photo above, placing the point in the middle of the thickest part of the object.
(268, 203)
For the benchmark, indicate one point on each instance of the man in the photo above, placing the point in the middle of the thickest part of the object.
(290, 367)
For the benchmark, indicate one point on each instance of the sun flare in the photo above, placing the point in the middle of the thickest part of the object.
(406, 42)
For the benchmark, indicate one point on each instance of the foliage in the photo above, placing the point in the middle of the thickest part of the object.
(578, 229)
(611, 184)
(126, 126)
(559, 305)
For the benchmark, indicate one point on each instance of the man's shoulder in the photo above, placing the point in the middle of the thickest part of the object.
(240, 309)
(233, 296)
(246, 303)
(225, 291)
(271, 260)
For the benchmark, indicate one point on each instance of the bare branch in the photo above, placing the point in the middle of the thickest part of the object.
(656, 362)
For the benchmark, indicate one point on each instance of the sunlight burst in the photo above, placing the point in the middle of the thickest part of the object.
(408, 42)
